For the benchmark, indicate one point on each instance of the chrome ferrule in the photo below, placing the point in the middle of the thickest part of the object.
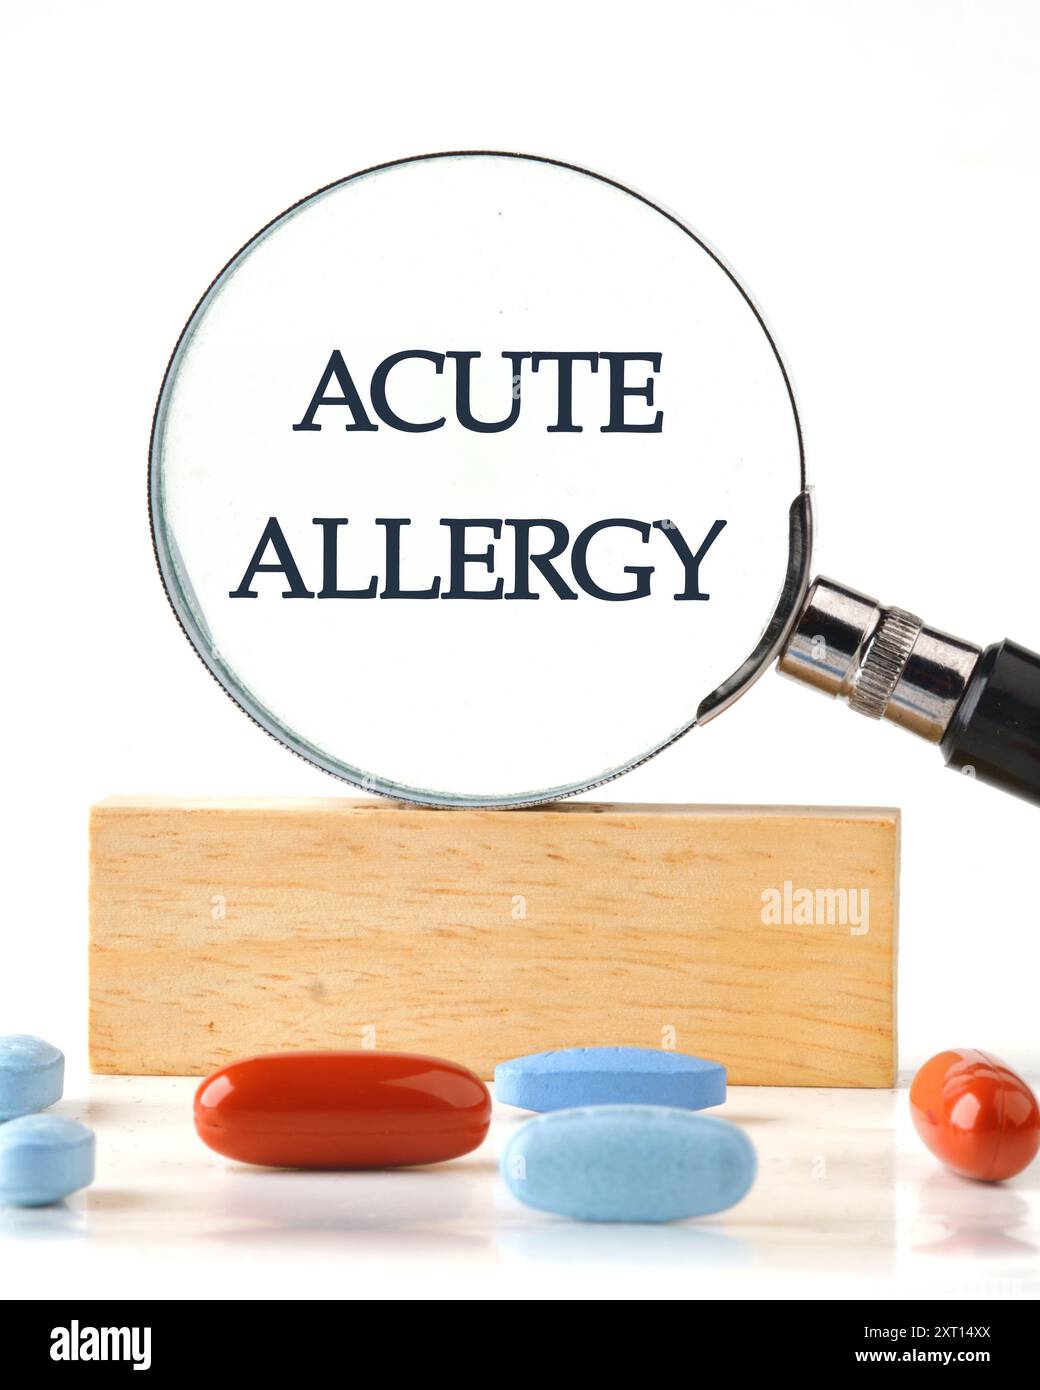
(883, 661)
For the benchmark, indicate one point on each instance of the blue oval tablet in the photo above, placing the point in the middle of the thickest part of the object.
(628, 1163)
(32, 1075)
(609, 1076)
(44, 1158)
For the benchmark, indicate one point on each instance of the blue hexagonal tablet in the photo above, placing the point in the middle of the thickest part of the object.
(44, 1158)
(32, 1074)
(610, 1076)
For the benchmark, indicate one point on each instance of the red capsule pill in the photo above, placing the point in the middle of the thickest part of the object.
(342, 1110)
(975, 1114)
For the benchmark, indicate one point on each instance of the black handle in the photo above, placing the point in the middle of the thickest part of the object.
(994, 734)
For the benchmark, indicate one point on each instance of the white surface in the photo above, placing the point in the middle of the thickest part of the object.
(873, 174)
(848, 1203)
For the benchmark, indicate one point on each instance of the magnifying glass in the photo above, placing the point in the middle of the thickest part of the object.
(478, 479)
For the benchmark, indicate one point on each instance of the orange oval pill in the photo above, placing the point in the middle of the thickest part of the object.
(342, 1110)
(975, 1114)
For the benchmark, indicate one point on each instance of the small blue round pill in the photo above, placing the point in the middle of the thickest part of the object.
(32, 1075)
(573, 1076)
(44, 1158)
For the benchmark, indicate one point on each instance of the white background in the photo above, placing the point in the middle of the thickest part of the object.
(872, 171)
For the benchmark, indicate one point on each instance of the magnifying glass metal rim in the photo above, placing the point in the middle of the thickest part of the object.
(188, 612)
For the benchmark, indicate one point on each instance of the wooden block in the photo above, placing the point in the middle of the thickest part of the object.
(222, 928)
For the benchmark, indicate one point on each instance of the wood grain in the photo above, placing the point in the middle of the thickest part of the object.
(222, 928)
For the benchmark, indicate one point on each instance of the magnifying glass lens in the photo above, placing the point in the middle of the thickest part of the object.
(470, 478)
